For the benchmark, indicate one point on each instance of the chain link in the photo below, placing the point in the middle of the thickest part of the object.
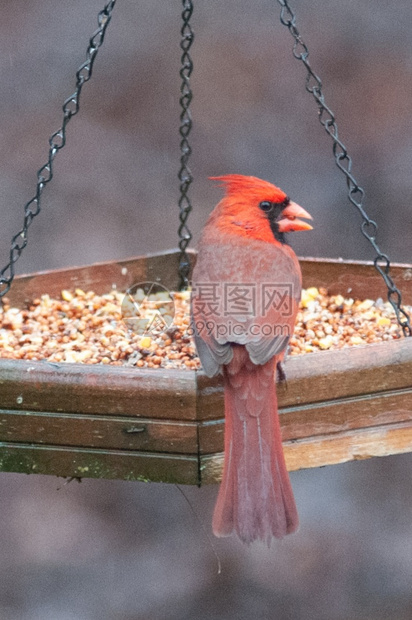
(56, 142)
(343, 160)
(185, 175)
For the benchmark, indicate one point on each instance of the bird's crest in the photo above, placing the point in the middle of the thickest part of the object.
(238, 184)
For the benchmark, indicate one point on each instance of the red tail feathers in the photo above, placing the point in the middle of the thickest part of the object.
(255, 497)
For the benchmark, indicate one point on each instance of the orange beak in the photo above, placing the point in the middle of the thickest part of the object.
(290, 221)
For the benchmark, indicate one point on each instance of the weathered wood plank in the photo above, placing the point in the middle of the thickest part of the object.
(346, 414)
(329, 449)
(356, 279)
(211, 436)
(99, 389)
(209, 397)
(91, 463)
(100, 277)
(181, 437)
(40, 386)
(347, 372)
(352, 445)
(325, 376)
(110, 432)
(326, 418)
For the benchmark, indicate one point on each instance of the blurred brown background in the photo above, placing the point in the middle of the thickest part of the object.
(111, 550)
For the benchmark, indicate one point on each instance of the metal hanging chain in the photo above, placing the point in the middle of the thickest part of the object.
(369, 228)
(56, 142)
(185, 175)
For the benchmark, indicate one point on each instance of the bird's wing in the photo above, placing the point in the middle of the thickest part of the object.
(247, 295)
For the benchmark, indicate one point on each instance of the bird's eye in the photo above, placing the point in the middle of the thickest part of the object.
(266, 206)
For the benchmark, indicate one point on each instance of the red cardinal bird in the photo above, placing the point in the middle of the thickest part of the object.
(245, 293)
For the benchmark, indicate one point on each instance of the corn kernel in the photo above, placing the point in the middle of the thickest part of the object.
(66, 295)
(145, 342)
(325, 343)
(357, 340)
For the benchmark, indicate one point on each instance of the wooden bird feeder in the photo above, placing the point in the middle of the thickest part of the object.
(167, 425)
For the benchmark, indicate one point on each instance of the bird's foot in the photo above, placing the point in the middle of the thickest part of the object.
(280, 372)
